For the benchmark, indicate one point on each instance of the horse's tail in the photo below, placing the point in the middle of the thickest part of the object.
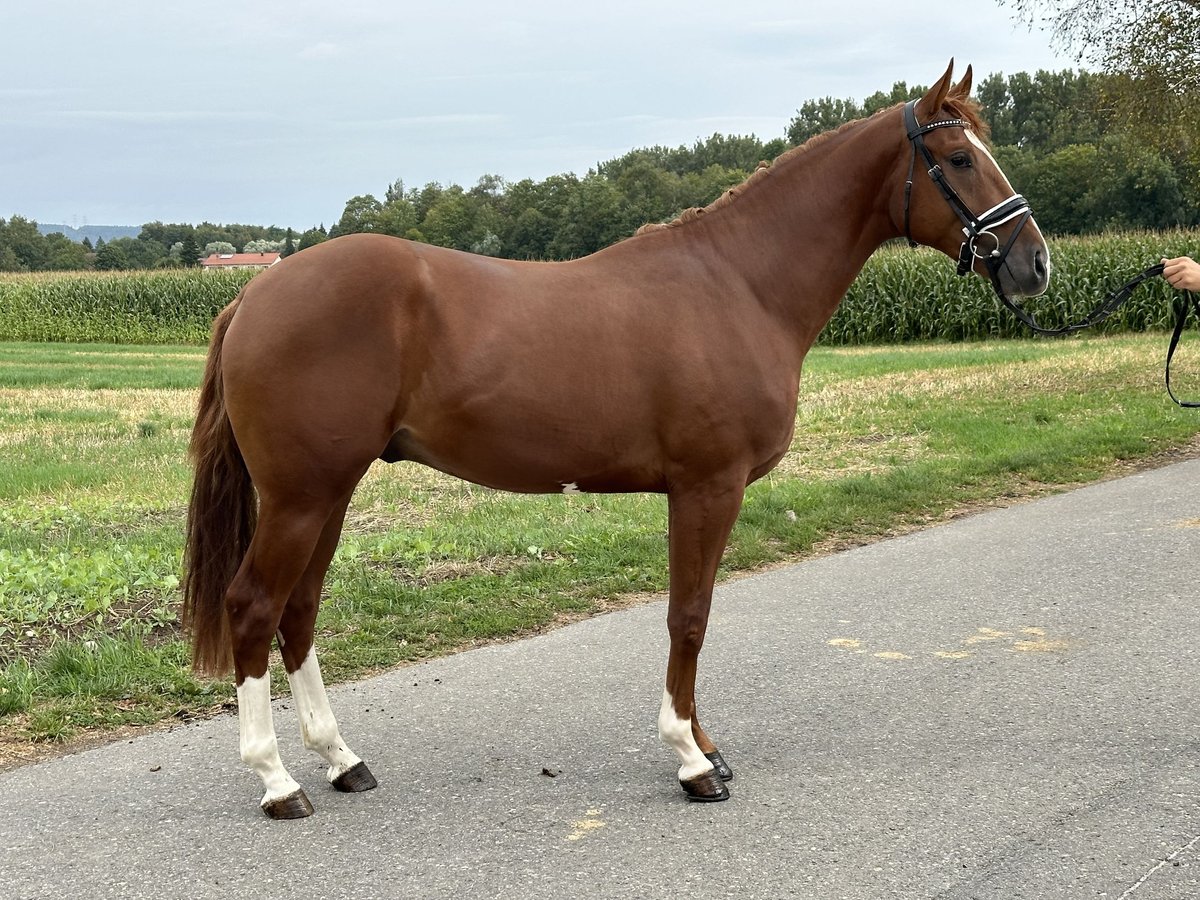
(221, 516)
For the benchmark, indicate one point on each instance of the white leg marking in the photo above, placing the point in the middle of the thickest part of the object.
(318, 727)
(572, 488)
(257, 733)
(677, 733)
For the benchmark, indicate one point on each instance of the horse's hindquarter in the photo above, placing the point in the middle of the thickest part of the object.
(599, 374)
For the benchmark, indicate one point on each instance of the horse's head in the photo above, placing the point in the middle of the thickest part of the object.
(958, 200)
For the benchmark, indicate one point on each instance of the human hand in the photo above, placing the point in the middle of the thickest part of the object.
(1182, 272)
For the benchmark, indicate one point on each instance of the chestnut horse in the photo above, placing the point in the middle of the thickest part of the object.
(668, 363)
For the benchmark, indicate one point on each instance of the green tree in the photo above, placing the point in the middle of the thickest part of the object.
(1057, 186)
(111, 257)
(730, 151)
(648, 194)
(1156, 42)
(312, 237)
(899, 93)
(1150, 51)
(533, 213)
(424, 199)
(63, 254)
(397, 216)
(528, 236)
(361, 214)
(464, 221)
(1134, 187)
(1046, 111)
(189, 253)
(262, 245)
(592, 218)
(818, 116)
(22, 238)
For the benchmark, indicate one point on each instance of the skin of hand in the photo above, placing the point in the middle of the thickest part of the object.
(1182, 272)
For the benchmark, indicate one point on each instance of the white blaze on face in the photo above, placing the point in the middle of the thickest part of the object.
(982, 147)
(256, 731)
(677, 733)
(318, 727)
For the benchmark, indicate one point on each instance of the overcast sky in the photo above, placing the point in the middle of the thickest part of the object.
(277, 113)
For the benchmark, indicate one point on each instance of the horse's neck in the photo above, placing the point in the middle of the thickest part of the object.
(800, 235)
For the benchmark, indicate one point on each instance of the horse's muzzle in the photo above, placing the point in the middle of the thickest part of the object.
(1025, 269)
(1025, 272)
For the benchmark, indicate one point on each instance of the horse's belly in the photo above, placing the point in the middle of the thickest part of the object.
(515, 457)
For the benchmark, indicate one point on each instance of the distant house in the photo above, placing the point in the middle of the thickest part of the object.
(239, 261)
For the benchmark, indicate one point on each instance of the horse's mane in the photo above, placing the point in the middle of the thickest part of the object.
(967, 109)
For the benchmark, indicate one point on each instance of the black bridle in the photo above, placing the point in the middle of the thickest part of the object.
(977, 230)
(1016, 207)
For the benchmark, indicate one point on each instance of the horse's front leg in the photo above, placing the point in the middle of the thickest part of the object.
(699, 521)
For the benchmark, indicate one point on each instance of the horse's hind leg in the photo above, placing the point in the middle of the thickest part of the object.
(318, 727)
(709, 749)
(277, 558)
(700, 520)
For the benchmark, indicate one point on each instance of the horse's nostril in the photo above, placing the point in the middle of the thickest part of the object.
(1039, 264)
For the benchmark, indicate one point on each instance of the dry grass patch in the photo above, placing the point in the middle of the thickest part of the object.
(129, 405)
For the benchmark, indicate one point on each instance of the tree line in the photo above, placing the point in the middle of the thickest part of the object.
(158, 246)
(1059, 137)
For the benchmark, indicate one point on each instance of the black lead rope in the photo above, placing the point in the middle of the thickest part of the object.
(1111, 303)
(1185, 300)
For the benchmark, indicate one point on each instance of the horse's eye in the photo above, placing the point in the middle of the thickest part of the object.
(960, 161)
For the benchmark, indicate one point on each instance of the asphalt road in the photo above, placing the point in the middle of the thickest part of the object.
(1000, 707)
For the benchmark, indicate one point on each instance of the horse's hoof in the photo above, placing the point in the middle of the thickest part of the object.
(355, 779)
(707, 787)
(293, 806)
(722, 768)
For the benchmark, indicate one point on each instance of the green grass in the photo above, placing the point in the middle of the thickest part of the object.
(93, 488)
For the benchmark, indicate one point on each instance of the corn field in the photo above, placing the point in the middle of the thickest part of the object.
(911, 295)
(155, 307)
(901, 295)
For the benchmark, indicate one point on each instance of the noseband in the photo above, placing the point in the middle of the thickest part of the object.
(977, 230)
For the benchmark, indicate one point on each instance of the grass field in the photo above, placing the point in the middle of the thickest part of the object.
(94, 483)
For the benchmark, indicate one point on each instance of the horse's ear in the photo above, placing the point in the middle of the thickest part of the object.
(929, 105)
(962, 90)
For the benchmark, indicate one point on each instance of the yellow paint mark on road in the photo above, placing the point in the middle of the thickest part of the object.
(1188, 523)
(1028, 639)
(986, 634)
(583, 826)
(1041, 645)
(845, 643)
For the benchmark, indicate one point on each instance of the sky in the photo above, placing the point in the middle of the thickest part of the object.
(271, 113)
